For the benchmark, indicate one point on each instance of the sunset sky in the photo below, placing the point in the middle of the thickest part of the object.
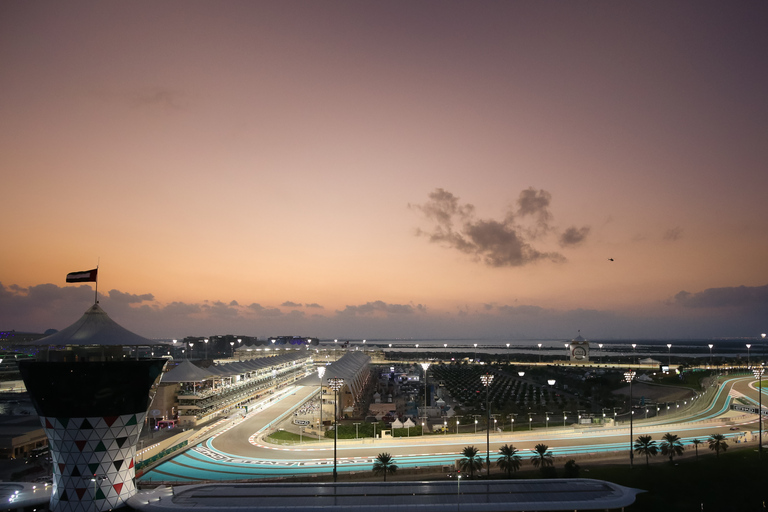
(366, 169)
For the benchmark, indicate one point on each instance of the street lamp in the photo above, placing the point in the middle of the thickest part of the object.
(335, 384)
(539, 352)
(507, 353)
(567, 352)
(521, 374)
(600, 346)
(565, 417)
(206, 347)
(629, 376)
(425, 366)
(457, 427)
(669, 355)
(758, 371)
(546, 420)
(486, 380)
(710, 354)
(634, 354)
(232, 343)
(748, 360)
(320, 373)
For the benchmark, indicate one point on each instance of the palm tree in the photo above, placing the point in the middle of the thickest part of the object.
(671, 446)
(696, 443)
(383, 465)
(645, 446)
(542, 457)
(717, 443)
(508, 459)
(471, 461)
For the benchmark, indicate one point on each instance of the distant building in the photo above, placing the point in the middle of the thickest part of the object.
(579, 349)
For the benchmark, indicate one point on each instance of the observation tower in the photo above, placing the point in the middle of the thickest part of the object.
(92, 392)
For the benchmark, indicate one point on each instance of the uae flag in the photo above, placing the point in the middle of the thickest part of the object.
(84, 276)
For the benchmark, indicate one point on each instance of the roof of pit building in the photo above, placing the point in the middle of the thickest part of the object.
(187, 371)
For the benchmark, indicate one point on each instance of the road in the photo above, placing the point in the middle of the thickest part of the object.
(241, 453)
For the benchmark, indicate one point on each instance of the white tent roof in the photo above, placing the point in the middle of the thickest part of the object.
(95, 328)
(186, 372)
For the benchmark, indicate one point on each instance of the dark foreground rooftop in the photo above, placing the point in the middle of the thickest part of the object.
(467, 496)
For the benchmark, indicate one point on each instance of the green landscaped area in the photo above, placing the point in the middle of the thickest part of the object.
(734, 481)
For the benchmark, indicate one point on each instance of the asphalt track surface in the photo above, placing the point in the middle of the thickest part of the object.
(240, 453)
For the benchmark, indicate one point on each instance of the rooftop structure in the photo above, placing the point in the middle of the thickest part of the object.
(570, 494)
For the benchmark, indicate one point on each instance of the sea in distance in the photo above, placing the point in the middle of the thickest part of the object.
(723, 347)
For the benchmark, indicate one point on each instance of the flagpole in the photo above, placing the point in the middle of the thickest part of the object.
(96, 291)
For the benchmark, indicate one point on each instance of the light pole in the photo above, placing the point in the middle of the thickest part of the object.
(521, 374)
(507, 354)
(710, 354)
(356, 429)
(457, 427)
(567, 352)
(511, 423)
(758, 371)
(748, 359)
(629, 376)
(425, 366)
(475, 344)
(539, 352)
(634, 354)
(565, 417)
(206, 347)
(486, 380)
(669, 355)
(600, 359)
(530, 422)
(320, 373)
(232, 344)
(335, 384)
(546, 420)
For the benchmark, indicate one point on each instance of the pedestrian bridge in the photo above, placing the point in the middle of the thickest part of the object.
(463, 496)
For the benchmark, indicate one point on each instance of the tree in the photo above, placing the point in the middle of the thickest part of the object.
(508, 459)
(644, 445)
(717, 443)
(383, 465)
(696, 443)
(471, 461)
(671, 446)
(542, 457)
(572, 469)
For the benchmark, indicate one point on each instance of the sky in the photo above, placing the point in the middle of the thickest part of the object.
(365, 169)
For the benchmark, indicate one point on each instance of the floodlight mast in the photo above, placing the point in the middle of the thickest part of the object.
(486, 380)
(335, 383)
(758, 371)
(629, 376)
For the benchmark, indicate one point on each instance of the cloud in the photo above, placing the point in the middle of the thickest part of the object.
(290, 304)
(314, 305)
(129, 298)
(181, 308)
(262, 311)
(497, 243)
(673, 234)
(379, 306)
(727, 297)
(573, 236)
(156, 97)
